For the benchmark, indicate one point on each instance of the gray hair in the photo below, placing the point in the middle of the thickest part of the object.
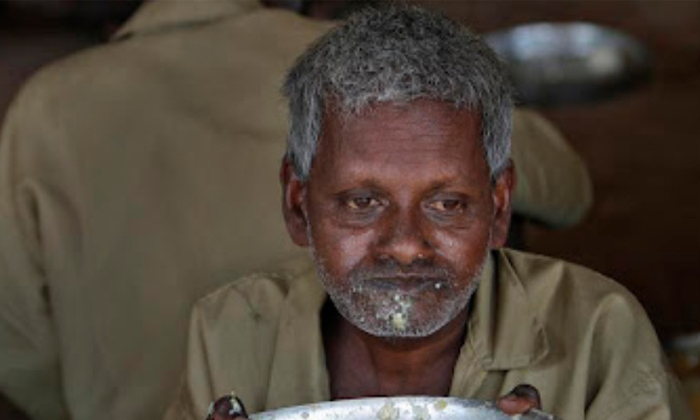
(397, 54)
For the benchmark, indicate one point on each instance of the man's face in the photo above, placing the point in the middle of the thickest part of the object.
(400, 213)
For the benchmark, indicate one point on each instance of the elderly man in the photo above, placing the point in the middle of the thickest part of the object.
(397, 178)
(138, 176)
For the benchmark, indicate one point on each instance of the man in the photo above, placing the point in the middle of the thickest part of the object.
(140, 175)
(397, 178)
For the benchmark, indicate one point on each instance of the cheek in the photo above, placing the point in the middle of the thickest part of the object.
(464, 250)
(341, 249)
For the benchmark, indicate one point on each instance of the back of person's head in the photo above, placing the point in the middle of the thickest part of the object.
(397, 54)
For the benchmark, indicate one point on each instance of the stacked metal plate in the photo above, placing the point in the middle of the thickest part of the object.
(557, 63)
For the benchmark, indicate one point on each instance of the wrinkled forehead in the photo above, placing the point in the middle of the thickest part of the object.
(426, 135)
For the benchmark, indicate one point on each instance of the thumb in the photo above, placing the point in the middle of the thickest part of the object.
(520, 400)
(226, 408)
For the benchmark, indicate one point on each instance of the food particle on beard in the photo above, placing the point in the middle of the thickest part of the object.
(384, 302)
(399, 316)
(399, 321)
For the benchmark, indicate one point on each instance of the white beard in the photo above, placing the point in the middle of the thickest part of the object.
(397, 308)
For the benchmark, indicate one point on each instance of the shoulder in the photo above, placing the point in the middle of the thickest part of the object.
(257, 297)
(72, 92)
(554, 279)
(171, 58)
(68, 74)
(599, 337)
(586, 309)
(235, 331)
(554, 186)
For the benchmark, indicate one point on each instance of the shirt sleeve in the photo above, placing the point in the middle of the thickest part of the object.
(232, 343)
(553, 185)
(29, 358)
(632, 378)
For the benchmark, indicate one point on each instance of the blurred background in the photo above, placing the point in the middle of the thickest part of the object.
(642, 145)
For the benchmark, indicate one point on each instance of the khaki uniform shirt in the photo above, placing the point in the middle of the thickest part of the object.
(582, 340)
(140, 175)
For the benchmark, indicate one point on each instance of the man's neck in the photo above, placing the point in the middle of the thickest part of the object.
(362, 365)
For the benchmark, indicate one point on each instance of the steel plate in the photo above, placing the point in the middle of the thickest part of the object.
(555, 63)
(398, 408)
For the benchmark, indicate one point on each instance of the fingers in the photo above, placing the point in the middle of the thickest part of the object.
(226, 408)
(520, 400)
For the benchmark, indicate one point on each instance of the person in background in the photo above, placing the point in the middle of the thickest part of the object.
(140, 175)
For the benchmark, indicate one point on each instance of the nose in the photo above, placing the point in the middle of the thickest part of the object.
(404, 240)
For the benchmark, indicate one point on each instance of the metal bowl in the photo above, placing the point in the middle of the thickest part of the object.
(555, 63)
(397, 408)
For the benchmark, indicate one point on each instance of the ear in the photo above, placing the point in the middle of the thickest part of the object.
(294, 204)
(501, 194)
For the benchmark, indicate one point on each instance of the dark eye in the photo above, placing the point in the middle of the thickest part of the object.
(447, 205)
(361, 203)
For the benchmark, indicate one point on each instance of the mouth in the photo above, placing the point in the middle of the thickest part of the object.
(407, 284)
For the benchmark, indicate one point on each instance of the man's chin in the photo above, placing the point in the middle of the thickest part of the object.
(399, 306)
(399, 315)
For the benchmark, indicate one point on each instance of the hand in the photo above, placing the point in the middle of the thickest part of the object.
(520, 400)
(226, 408)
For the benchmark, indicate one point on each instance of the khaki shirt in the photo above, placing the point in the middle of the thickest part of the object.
(582, 340)
(140, 175)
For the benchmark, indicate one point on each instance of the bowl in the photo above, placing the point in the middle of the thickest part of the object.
(397, 408)
(558, 63)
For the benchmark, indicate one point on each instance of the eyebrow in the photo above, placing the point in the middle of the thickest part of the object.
(375, 185)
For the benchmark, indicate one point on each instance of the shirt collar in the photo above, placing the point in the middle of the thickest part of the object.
(157, 15)
(505, 332)
(304, 376)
